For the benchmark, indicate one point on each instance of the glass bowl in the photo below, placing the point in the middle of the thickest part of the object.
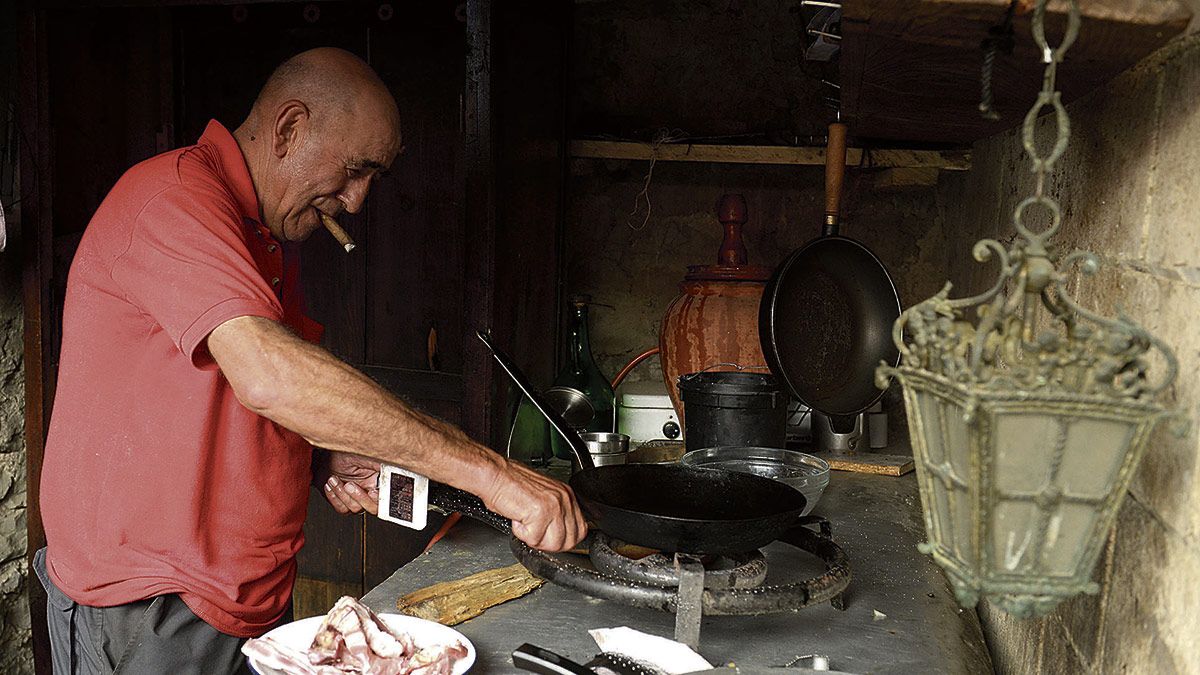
(806, 473)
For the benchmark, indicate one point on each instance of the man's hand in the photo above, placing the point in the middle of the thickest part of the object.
(543, 511)
(347, 481)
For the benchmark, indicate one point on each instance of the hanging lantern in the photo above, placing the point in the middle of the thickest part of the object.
(1026, 425)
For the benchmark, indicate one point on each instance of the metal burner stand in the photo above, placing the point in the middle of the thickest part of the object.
(684, 587)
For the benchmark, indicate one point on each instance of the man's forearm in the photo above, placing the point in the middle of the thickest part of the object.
(311, 392)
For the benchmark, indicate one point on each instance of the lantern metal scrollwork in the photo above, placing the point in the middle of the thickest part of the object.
(1026, 426)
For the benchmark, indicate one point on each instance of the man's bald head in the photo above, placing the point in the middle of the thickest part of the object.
(331, 82)
(322, 128)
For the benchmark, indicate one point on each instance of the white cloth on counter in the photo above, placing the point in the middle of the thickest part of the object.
(669, 656)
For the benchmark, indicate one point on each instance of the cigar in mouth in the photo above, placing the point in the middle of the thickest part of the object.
(337, 232)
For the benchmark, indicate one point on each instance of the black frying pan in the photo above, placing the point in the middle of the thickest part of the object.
(826, 316)
(670, 507)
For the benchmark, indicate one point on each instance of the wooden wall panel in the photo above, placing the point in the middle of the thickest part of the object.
(226, 53)
(480, 195)
(416, 264)
(106, 111)
(530, 74)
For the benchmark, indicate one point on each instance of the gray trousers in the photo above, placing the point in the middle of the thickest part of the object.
(152, 636)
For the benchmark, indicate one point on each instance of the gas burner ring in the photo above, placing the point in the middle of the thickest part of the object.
(767, 599)
(742, 570)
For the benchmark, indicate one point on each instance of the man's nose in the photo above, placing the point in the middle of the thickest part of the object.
(355, 194)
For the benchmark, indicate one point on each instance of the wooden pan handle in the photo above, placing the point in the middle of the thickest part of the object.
(835, 171)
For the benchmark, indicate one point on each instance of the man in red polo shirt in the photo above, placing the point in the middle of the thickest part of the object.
(177, 467)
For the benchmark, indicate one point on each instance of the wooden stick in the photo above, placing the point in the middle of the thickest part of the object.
(869, 462)
(453, 602)
(337, 232)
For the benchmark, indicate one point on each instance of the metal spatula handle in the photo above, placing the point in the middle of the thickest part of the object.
(582, 455)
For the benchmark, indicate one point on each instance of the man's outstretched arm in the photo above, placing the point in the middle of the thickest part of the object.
(306, 389)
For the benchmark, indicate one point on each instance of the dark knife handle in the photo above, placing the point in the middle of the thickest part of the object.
(537, 660)
(452, 499)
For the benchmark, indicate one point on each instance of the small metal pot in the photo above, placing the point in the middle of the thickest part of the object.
(606, 448)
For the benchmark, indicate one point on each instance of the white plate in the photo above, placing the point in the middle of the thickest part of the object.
(299, 635)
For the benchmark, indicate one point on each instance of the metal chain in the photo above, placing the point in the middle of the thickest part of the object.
(1049, 96)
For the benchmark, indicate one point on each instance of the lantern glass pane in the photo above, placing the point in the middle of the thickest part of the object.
(1094, 453)
(948, 456)
(958, 443)
(935, 454)
(1024, 449)
(1013, 536)
(931, 419)
(1067, 534)
(958, 450)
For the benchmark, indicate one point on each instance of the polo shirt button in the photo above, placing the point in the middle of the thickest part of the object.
(271, 248)
(274, 281)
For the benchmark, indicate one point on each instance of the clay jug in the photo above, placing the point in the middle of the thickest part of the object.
(714, 321)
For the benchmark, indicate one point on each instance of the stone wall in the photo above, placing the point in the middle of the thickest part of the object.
(1129, 185)
(635, 264)
(14, 610)
(15, 654)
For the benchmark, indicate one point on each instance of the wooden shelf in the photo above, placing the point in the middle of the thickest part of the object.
(951, 160)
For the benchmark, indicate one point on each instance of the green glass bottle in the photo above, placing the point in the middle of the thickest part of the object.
(580, 372)
(529, 439)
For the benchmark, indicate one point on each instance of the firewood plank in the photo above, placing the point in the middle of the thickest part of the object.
(452, 602)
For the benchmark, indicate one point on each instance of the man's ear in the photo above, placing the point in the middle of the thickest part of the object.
(290, 125)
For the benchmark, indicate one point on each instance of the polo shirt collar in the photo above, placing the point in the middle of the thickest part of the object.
(233, 165)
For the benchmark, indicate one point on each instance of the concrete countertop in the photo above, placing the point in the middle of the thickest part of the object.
(875, 519)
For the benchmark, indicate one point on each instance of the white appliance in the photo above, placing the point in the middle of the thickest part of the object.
(644, 413)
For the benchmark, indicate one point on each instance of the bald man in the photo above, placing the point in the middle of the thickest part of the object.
(191, 393)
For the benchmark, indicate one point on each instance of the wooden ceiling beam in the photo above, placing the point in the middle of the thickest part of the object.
(910, 69)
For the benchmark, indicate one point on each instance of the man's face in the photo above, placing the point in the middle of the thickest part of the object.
(328, 168)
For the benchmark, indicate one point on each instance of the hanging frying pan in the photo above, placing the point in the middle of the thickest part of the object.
(826, 315)
(670, 507)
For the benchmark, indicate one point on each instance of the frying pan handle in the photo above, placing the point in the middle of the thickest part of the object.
(582, 455)
(835, 172)
(452, 499)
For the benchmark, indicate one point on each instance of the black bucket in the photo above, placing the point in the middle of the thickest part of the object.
(740, 409)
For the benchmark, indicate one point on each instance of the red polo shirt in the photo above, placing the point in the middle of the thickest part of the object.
(156, 479)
